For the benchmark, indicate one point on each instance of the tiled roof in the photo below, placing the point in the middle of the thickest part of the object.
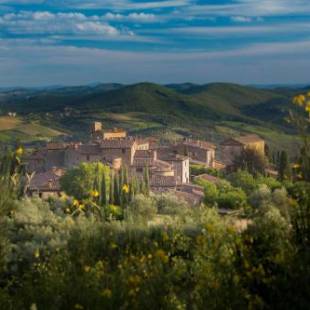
(56, 146)
(46, 181)
(249, 139)
(162, 181)
(142, 162)
(160, 165)
(208, 177)
(200, 144)
(243, 140)
(89, 149)
(144, 154)
(117, 143)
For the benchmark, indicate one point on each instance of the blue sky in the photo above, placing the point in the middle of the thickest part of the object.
(48, 42)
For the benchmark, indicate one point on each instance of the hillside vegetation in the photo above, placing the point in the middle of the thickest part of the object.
(145, 108)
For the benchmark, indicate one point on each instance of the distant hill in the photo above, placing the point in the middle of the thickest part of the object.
(212, 111)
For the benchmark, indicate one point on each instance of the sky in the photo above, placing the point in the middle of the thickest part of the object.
(74, 42)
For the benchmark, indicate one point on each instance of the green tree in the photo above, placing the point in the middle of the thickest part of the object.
(252, 161)
(80, 181)
(103, 190)
(284, 167)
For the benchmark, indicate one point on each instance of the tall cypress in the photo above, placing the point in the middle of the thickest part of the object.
(284, 167)
(117, 192)
(111, 194)
(103, 191)
(146, 182)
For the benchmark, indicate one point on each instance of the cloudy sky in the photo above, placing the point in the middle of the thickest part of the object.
(48, 42)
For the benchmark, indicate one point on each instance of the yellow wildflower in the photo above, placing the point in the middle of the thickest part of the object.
(162, 256)
(78, 306)
(107, 293)
(76, 203)
(36, 253)
(125, 189)
(299, 100)
(94, 193)
(19, 151)
(81, 207)
(87, 268)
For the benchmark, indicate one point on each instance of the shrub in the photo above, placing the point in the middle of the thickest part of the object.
(142, 207)
(211, 193)
(233, 199)
(244, 180)
(81, 180)
(169, 204)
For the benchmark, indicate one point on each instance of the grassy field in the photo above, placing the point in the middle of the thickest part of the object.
(16, 128)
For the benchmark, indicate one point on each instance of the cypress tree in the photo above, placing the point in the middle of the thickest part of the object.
(117, 192)
(284, 167)
(111, 194)
(103, 192)
(146, 181)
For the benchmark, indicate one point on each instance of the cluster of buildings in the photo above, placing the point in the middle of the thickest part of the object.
(168, 165)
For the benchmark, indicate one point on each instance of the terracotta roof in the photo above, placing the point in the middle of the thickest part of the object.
(56, 146)
(208, 177)
(173, 157)
(142, 162)
(243, 140)
(144, 154)
(46, 181)
(89, 149)
(117, 143)
(162, 181)
(160, 165)
(200, 144)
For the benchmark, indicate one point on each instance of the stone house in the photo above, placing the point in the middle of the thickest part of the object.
(201, 152)
(98, 133)
(233, 147)
(119, 148)
(46, 184)
(180, 166)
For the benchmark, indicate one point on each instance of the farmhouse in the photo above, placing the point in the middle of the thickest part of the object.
(233, 147)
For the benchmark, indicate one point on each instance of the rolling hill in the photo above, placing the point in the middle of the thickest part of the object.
(212, 111)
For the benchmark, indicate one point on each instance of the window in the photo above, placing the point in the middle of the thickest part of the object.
(123, 151)
(87, 158)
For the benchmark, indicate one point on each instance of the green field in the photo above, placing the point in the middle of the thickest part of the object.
(18, 129)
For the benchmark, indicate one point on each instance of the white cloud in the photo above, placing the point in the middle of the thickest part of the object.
(132, 17)
(270, 29)
(253, 8)
(245, 19)
(71, 65)
(46, 23)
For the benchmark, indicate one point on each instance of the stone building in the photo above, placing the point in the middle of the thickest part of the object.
(233, 147)
(201, 152)
(180, 166)
(119, 148)
(46, 184)
(98, 133)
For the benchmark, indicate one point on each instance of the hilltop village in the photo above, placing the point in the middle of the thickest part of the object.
(168, 165)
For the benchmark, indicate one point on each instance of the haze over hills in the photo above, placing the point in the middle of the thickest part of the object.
(213, 111)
